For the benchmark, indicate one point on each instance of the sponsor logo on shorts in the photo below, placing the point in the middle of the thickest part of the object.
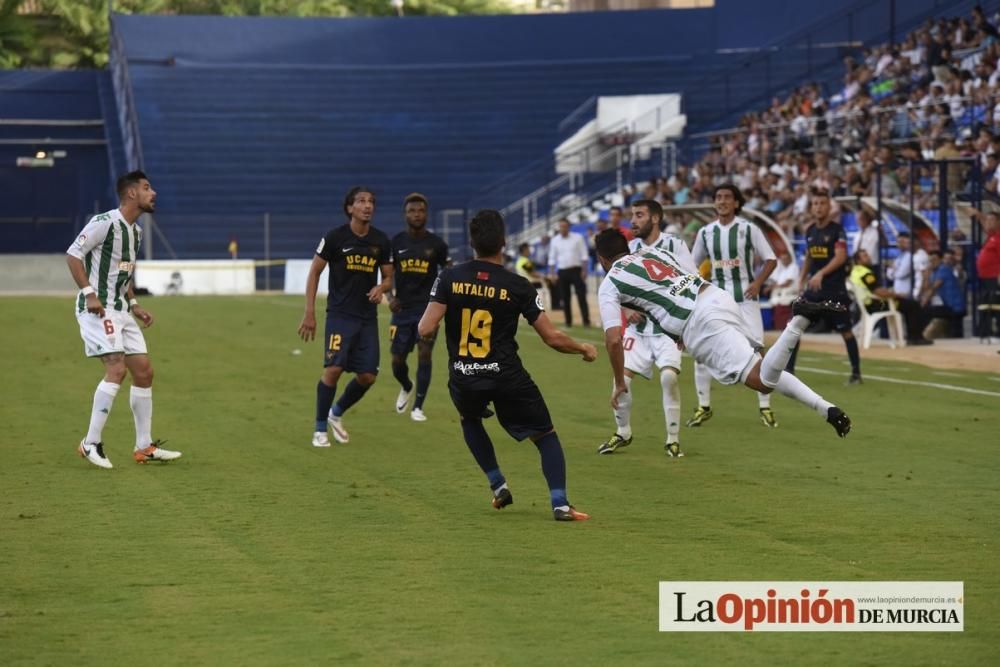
(476, 368)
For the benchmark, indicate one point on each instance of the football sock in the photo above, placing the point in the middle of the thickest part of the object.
(623, 413)
(792, 387)
(853, 355)
(104, 397)
(553, 467)
(140, 399)
(703, 385)
(324, 398)
(352, 394)
(671, 404)
(790, 366)
(778, 357)
(401, 372)
(423, 383)
(479, 443)
(763, 400)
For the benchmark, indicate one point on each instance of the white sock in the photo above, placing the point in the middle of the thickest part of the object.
(763, 400)
(703, 385)
(776, 359)
(671, 404)
(623, 413)
(792, 387)
(141, 401)
(104, 398)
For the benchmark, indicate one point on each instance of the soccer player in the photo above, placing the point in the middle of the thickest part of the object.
(417, 258)
(732, 245)
(354, 252)
(644, 346)
(481, 303)
(703, 318)
(825, 266)
(102, 263)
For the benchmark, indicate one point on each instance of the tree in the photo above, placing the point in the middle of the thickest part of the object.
(16, 34)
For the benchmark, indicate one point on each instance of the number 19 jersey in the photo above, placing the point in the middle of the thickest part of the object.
(484, 302)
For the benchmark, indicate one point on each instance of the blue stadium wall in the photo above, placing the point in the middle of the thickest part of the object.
(240, 117)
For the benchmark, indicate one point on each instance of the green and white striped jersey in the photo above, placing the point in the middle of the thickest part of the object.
(675, 246)
(654, 283)
(732, 249)
(108, 247)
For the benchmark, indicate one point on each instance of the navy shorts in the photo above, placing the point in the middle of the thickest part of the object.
(351, 344)
(403, 334)
(519, 406)
(839, 322)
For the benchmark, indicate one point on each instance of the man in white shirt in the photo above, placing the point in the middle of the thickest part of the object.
(568, 255)
(906, 266)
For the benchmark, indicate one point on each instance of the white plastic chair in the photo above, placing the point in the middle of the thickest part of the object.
(869, 320)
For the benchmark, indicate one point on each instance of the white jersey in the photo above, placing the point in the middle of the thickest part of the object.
(654, 283)
(108, 247)
(731, 249)
(675, 246)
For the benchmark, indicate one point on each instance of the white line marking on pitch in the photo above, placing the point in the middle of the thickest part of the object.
(935, 385)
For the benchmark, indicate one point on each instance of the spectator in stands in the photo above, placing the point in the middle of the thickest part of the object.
(569, 257)
(943, 300)
(877, 299)
(782, 288)
(869, 240)
(988, 272)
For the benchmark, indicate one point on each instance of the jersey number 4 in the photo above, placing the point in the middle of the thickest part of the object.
(658, 270)
(477, 325)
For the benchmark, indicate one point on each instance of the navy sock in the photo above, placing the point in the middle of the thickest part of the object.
(790, 366)
(352, 394)
(479, 443)
(853, 355)
(401, 372)
(553, 467)
(423, 382)
(324, 398)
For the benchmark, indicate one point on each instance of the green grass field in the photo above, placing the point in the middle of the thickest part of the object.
(256, 548)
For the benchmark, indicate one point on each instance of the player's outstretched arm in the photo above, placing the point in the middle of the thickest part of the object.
(616, 355)
(307, 329)
(559, 340)
(432, 317)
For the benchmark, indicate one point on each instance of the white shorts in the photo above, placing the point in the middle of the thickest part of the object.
(719, 336)
(644, 352)
(117, 331)
(751, 313)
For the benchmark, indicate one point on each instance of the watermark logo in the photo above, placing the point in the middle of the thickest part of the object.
(812, 606)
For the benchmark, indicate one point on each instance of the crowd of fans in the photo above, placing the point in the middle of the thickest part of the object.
(932, 96)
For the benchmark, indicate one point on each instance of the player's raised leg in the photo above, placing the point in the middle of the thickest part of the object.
(770, 373)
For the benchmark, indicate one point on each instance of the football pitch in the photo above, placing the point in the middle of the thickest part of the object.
(256, 548)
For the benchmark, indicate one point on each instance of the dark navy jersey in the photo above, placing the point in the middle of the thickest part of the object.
(417, 263)
(354, 264)
(484, 303)
(821, 244)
